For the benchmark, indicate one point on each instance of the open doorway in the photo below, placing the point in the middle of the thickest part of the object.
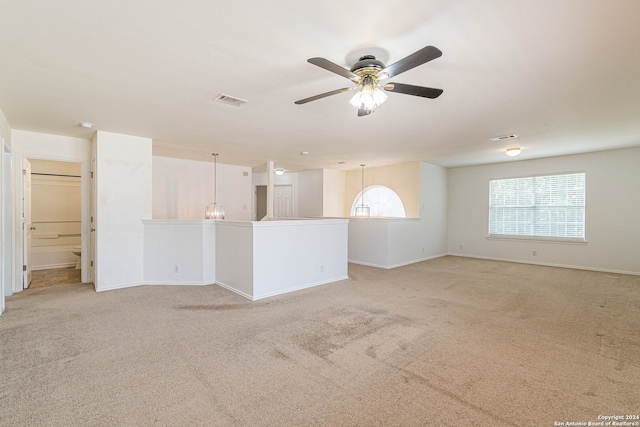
(261, 202)
(282, 201)
(52, 211)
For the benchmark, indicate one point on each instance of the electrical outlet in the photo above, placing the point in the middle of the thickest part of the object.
(322, 269)
(460, 246)
(176, 268)
(535, 253)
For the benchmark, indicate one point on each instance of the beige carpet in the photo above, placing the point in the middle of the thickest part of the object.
(447, 342)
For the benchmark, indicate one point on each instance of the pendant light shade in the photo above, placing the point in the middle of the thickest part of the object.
(214, 210)
(363, 210)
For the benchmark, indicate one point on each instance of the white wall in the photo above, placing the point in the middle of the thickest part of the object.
(265, 258)
(333, 188)
(183, 188)
(6, 243)
(285, 261)
(33, 145)
(433, 210)
(310, 193)
(234, 256)
(612, 225)
(179, 252)
(123, 188)
(393, 242)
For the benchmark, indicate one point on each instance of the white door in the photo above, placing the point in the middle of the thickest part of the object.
(283, 201)
(27, 226)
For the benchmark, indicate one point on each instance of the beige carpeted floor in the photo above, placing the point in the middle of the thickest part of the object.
(447, 342)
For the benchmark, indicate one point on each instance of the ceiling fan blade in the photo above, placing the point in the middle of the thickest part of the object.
(334, 68)
(363, 112)
(323, 95)
(425, 92)
(426, 54)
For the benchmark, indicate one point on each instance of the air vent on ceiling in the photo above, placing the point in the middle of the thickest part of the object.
(231, 100)
(503, 137)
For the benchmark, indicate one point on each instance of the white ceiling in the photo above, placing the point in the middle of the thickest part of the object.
(563, 75)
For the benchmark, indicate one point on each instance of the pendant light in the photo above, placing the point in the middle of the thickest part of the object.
(363, 210)
(214, 210)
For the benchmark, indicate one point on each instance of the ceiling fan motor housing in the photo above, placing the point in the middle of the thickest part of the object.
(367, 64)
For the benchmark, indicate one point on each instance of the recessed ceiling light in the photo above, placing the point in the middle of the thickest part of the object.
(341, 163)
(512, 152)
(86, 125)
(503, 137)
(304, 153)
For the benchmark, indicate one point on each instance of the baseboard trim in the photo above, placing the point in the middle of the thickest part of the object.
(50, 266)
(234, 290)
(285, 291)
(176, 283)
(116, 287)
(299, 288)
(550, 264)
(389, 267)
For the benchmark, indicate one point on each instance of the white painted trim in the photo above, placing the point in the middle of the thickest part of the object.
(234, 290)
(60, 265)
(85, 183)
(298, 288)
(368, 264)
(549, 264)
(284, 291)
(121, 286)
(402, 264)
(418, 260)
(176, 283)
(180, 222)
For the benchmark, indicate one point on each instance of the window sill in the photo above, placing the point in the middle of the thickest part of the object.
(565, 240)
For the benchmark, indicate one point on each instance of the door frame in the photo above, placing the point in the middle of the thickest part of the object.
(27, 222)
(86, 191)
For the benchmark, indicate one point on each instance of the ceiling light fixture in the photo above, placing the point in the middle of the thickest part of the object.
(279, 171)
(367, 74)
(370, 96)
(512, 152)
(86, 125)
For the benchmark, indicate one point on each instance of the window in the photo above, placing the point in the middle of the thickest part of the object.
(382, 201)
(548, 206)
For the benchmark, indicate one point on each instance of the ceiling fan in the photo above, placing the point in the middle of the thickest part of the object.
(367, 74)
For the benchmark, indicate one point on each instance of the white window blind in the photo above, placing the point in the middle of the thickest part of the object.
(550, 206)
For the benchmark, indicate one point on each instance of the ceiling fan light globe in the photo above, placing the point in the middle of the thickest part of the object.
(355, 100)
(379, 96)
(368, 102)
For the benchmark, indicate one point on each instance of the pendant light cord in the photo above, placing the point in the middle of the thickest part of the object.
(362, 194)
(215, 176)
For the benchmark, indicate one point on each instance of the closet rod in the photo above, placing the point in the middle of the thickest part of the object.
(55, 174)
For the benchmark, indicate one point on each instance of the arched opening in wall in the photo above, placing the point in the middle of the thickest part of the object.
(382, 201)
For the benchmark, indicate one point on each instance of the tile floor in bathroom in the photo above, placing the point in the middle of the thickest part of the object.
(54, 276)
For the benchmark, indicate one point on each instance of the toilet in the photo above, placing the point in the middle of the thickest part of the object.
(77, 251)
